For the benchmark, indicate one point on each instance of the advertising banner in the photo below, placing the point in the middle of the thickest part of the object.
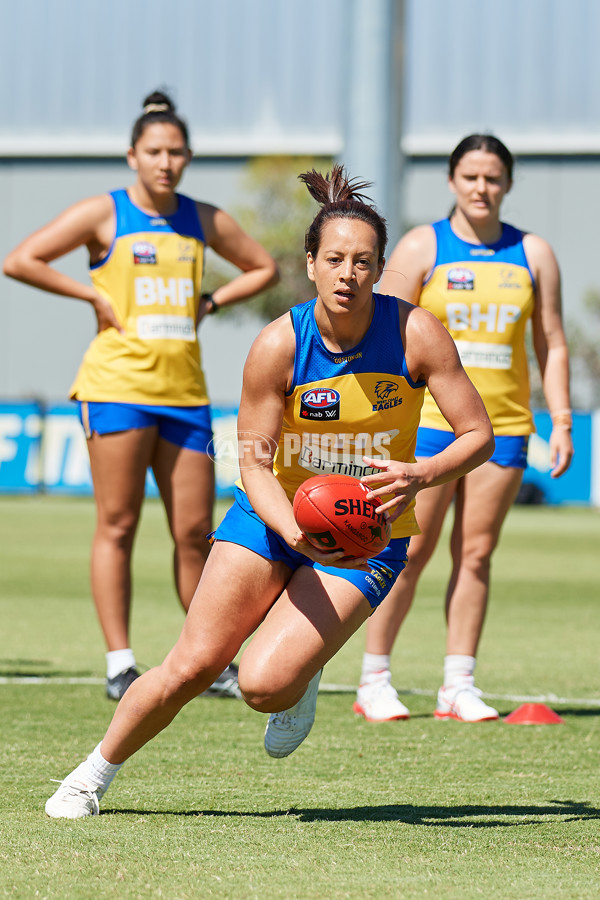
(575, 486)
(21, 427)
(44, 449)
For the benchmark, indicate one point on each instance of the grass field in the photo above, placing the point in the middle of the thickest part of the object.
(401, 810)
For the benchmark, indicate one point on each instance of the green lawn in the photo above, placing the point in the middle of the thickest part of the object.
(401, 810)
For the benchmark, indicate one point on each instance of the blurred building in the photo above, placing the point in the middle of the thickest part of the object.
(386, 86)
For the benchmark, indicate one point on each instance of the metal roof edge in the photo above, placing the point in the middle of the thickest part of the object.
(43, 145)
(532, 144)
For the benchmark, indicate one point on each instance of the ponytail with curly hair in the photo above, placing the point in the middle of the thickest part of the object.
(340, 197)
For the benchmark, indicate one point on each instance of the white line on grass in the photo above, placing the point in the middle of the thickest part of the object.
(515, 698)
(47, 679)
(327, 689)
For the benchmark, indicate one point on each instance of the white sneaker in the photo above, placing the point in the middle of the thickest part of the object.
(287, 729)
(377, 700)
(74, 799)
(463, 702)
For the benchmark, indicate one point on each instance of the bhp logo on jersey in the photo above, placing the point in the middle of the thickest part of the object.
(163, 291)
(320, 403)
(144, 253)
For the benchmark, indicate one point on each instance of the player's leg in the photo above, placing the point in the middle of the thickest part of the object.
(377, 699)
(385, 623)
(483, 501)
(314, 616)
(185, 476)
(484, 498)
(186, 482)
(236, 591)
(280, 668)
(118, 464)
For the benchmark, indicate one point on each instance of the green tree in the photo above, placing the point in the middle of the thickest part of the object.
(277, 213)
(584, 346)
(584, 353)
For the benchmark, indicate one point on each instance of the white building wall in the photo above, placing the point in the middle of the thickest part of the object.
(271, 76)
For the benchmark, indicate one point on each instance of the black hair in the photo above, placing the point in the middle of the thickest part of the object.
(158, 107)
(486, 142)
(340, 198)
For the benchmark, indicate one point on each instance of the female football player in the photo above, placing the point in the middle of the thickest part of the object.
(263, 578)
(141, 389)
(484, 280)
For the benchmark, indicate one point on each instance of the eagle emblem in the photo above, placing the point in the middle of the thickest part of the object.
(383, 389)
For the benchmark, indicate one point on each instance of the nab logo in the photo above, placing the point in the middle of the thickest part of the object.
(144, 253)
(320, 404)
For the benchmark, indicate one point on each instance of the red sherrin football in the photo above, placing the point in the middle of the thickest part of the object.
(334, 514)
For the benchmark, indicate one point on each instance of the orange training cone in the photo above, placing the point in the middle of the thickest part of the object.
(533, 714)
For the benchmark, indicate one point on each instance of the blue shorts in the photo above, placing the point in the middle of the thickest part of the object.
(184, 426)
(510, 452)
(243, 526)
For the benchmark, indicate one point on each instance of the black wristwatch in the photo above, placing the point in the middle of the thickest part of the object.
(213, 306)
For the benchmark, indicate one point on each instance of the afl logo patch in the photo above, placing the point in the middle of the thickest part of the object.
(460, 279)
(144, 253)
(320, 403)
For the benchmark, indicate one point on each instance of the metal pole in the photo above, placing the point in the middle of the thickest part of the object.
(373, 120)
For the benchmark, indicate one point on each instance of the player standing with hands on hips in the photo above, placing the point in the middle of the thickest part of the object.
(141, 389)
(484, 280)
(263, 578)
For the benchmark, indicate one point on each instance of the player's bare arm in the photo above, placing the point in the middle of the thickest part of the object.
(551, 349)
(267, 377)
(89, 223)
(409, 264)
(224, 236)
(267, 373)
(432, 357)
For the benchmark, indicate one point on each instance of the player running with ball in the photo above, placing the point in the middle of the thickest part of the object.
(263, 578)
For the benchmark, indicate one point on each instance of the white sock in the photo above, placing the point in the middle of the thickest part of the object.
(374, 663)
(95, 770)
(458, 669)
(118, 661)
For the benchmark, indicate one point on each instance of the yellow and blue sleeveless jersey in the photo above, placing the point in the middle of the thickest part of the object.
(342, 406)
(151, 277)
(484, 294)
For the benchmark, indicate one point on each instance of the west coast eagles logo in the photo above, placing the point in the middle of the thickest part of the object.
(186, 252)
(509, 279)
(383, 392)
